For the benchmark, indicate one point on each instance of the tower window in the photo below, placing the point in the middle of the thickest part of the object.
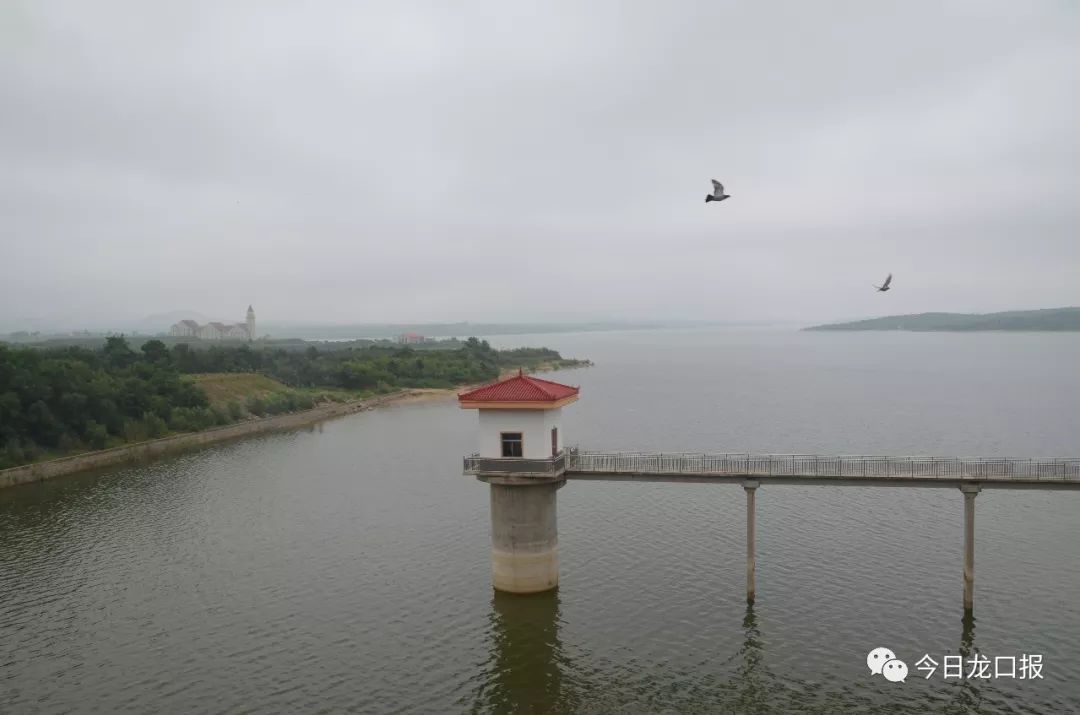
(511, 444)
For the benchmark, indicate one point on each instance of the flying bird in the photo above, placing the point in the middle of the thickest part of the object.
(885, 286)
(718, 192)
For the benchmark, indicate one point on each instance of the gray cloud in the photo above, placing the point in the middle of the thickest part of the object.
(392, 161)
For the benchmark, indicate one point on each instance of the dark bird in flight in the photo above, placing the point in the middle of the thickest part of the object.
(885, 286)
(718, 192)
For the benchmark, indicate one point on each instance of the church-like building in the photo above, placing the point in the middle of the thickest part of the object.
(216, 331)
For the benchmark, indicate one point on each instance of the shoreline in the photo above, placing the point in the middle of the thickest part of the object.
(150, 449)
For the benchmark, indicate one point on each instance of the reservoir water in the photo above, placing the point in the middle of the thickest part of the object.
(346, 568)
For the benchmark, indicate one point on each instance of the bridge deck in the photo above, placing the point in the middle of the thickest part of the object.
(1063, 473)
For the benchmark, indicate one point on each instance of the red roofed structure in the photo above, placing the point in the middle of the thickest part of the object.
(520, 392)
(521, 455)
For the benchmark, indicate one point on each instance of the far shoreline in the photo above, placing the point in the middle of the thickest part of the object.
(1042, 320)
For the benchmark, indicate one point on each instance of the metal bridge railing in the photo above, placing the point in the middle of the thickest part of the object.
(808, 465)
(552, 466)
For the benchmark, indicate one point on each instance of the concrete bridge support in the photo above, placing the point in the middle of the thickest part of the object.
(750, 486)
(970, 491)
(524, 534)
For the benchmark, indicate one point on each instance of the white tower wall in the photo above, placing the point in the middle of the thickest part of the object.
(535, 427)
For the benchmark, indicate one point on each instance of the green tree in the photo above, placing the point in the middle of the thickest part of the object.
(95, 434)
(42, 426)
(185, 359)
(155, 352)
(118, 354)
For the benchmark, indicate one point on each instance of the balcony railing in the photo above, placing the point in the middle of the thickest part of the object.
(516, 466)
(801, 465)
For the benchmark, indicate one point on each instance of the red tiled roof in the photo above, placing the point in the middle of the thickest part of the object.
(520, 388)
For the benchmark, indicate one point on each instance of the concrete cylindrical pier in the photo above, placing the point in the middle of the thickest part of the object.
(750, 485)
(970, 491)
(524, 536)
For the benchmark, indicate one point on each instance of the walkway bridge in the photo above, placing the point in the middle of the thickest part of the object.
(751, 471)
(836, 470)
(1060, 473)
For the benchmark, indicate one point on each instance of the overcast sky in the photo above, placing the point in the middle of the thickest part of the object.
(403, 161)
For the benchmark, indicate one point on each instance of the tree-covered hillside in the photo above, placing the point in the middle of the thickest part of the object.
(66, 400)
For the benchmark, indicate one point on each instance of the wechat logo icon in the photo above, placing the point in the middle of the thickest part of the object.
(884, 662)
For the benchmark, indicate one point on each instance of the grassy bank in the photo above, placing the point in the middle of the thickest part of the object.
(224, 388)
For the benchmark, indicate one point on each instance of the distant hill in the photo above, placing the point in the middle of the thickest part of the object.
(313, 331)
(162, 321)
(1055, 319)
(316, 331)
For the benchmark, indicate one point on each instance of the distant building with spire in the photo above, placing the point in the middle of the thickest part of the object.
(215, 330)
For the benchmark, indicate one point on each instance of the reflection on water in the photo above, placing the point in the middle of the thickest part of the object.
(529, 672)
(526, 672)
(966, 698)
(752, 679)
